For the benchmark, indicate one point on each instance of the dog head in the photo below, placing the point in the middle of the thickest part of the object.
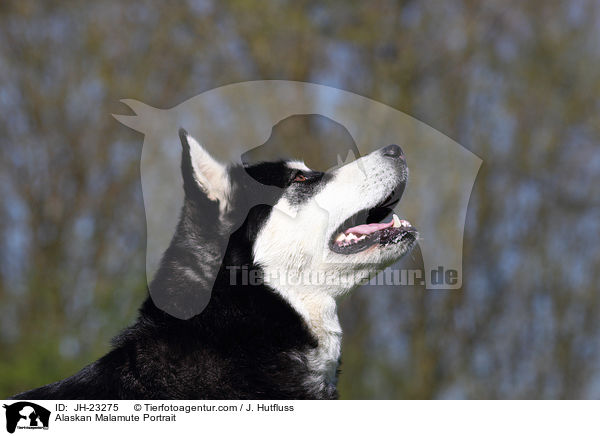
(332, 222)
(294, 220)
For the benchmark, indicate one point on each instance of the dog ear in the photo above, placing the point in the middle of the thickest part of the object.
(200, 170)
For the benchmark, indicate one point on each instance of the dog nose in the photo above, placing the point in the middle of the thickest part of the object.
(393, 151)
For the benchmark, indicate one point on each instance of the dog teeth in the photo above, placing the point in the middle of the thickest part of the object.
(400, 223)
(343, 239)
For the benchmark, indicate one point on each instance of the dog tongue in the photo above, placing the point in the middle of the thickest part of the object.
(367, 229)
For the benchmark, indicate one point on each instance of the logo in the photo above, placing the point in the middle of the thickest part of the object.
(26, 415)
(247, 119)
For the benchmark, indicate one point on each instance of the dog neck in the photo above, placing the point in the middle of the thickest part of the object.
(319, 310)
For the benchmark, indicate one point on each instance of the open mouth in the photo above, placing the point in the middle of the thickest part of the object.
(365, 229)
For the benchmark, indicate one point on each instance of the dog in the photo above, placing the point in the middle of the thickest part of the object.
(276, 337)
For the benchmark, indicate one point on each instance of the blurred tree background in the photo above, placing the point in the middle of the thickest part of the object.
(517, 83)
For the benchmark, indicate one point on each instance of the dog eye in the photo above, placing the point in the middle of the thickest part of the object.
(300, 178)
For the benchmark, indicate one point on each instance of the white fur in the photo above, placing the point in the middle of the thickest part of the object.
(298, 165)
(294, 240)
(212, 176)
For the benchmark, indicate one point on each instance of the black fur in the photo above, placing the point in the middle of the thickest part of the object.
(247, 343)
